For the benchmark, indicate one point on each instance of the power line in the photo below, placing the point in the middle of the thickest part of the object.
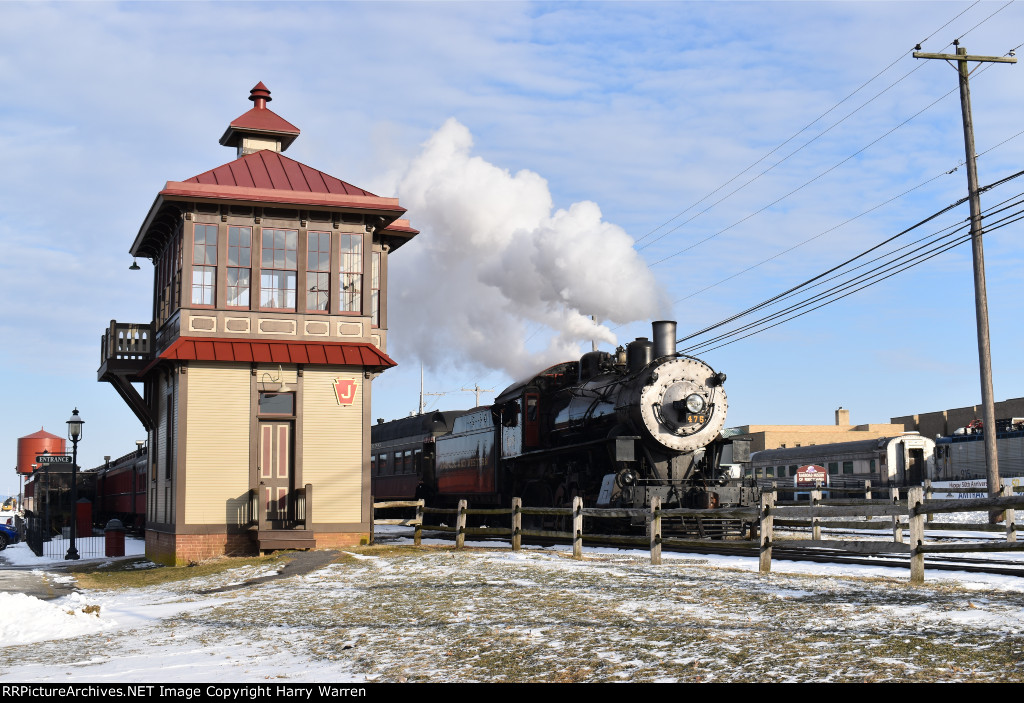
(817, 280)
(798, 133)
(807, 183)
(846, 222)
(933, 239)
(1019, 216)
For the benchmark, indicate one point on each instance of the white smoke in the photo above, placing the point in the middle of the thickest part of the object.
(492, 265)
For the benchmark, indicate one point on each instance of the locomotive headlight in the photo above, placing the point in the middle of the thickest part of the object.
(695, 403)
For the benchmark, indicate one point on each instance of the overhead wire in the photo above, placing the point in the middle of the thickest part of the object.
(798, 133)
(809, 182)
(961, 240)
(847, 221)
(931, 240)
(938, 243)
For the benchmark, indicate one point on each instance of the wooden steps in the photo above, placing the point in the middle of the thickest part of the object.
(285, 539)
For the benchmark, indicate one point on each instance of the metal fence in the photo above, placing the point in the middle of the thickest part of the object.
(54, 545)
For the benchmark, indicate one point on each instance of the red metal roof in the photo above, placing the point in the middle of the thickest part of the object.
(277, 352)
(271, 170)
(260, 120)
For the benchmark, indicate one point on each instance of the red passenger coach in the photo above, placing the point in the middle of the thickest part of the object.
(402, 454)
(465, 460)
(121, 490)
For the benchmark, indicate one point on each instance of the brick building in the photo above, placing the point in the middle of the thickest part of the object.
(787, 436)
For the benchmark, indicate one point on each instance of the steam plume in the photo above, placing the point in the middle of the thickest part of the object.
(492, 263)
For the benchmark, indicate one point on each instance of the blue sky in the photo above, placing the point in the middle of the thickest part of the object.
(639, 109)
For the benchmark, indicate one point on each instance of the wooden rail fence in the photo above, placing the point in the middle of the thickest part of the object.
(763, 521)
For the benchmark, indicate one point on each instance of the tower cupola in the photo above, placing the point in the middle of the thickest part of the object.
(260, 128)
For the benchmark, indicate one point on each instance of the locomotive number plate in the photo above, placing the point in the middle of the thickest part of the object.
(694, 418)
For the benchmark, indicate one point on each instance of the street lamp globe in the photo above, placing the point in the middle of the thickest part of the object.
(75, 426)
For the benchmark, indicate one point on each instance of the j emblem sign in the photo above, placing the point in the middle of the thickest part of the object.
(345, 391)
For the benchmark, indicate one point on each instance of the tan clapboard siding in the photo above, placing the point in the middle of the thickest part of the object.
(332, 446)
(160, 458)
(217, 450)
(277, 373)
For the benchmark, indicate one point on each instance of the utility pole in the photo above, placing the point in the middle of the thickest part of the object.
(988, 408)
(478, 390)
(422, 394)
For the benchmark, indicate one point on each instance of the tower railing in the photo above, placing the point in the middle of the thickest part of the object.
(126, 341)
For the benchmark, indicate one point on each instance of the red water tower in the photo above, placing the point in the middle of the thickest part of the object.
(34, 444)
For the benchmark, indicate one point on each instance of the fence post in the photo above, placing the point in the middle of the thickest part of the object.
(767, 535)
(460, 524)
(577, 526)
(517, 524)
(655, 530)
(1010, 515)
(928, 495)
(815, 520)
(897, 528)
(417, 533)
(373, 518)
(867, 489)
(915, 496)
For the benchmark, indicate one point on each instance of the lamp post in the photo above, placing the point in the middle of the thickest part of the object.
(74, 434)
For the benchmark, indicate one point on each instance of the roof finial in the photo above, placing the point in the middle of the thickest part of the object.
(260, 95)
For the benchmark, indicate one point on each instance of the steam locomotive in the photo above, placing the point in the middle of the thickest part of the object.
(616, 429)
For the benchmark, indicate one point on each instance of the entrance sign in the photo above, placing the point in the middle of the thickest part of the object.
(53, 459)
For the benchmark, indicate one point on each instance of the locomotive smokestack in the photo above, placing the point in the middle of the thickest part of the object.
(664, 338)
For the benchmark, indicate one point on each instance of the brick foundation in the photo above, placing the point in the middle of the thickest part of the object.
(327, 540)
(177, 550)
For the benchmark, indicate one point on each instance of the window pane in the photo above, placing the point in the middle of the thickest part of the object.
(277, 403)
(316, 297)
(277, 289)
(238, 287)
(239, 246)
(202, 285)
(204, 249)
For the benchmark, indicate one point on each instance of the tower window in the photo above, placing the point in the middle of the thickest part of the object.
(204, 264)
(351, 273)
(318, 271)
(239, 266)
(278, 275)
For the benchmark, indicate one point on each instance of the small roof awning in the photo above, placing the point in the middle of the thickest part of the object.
(277, 352)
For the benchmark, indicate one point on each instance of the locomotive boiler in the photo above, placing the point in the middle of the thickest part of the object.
(615, 429)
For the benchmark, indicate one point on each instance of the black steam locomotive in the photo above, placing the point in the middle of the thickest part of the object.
(615, 429)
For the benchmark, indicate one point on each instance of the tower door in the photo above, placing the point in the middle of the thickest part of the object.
(275, 472)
